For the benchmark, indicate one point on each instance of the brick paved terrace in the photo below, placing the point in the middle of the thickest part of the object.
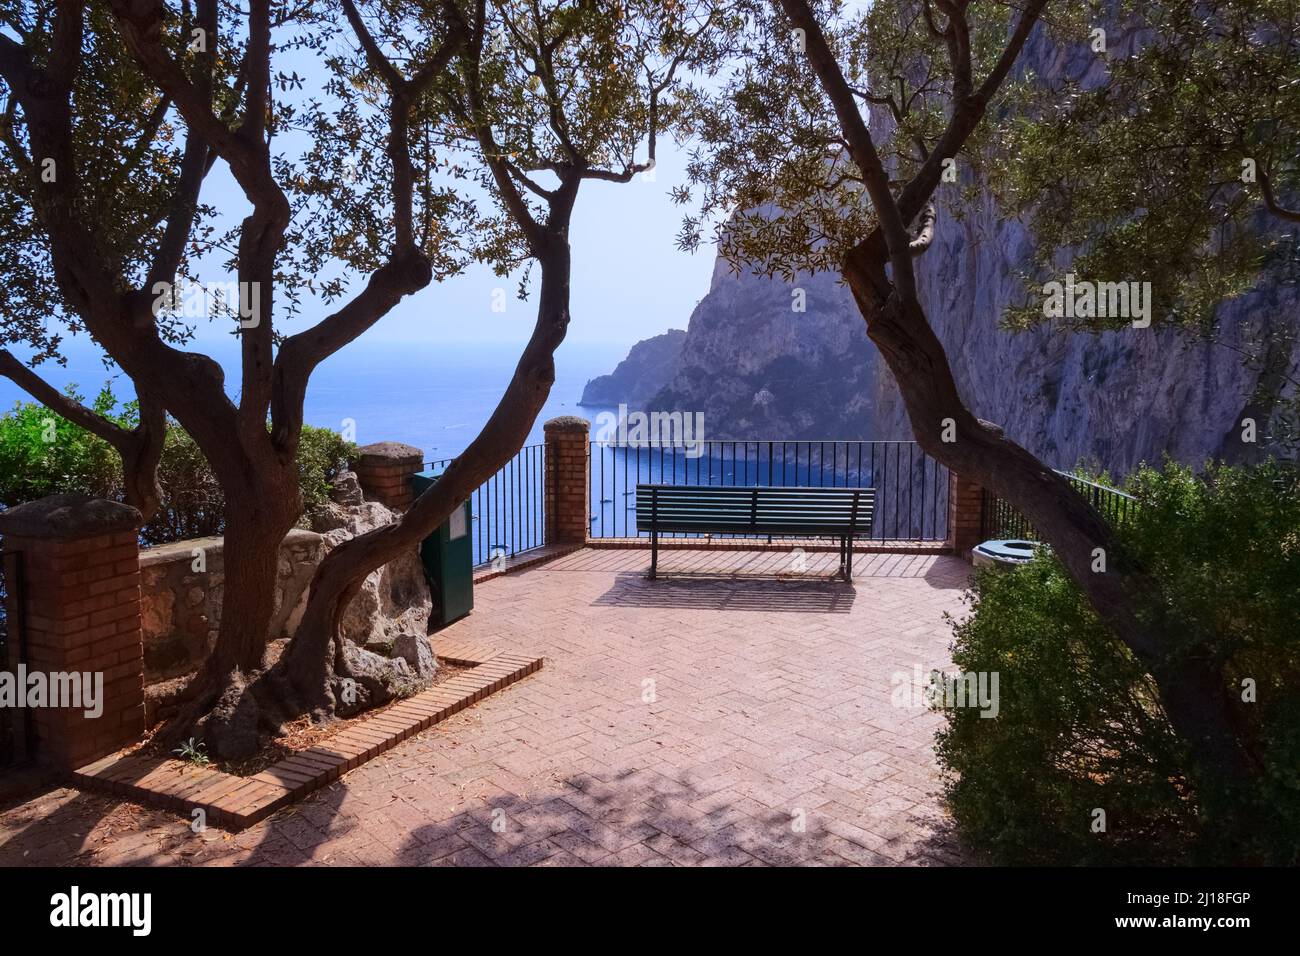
(717, 717)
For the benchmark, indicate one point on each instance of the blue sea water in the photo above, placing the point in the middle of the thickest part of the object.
(437, 396)
(427, 394)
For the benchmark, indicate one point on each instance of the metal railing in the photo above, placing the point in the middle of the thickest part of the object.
(509, 509)
(12, 723)
(911, 487)
(1001, 519)
(4, 611)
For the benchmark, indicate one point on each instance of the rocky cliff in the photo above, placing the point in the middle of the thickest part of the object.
(757, 368)
(649, 366)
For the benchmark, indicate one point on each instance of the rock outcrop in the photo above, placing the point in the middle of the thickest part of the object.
(648, 367)
(759, 369)
(394, 600)
(181, 605)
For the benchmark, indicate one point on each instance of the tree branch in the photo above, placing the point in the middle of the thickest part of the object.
(403, 93)
(194, 167)
(58, 402)
(861, 145)
(965, 117)
(140, 24)
(1271, 203)
(496, 162)
(407, 270)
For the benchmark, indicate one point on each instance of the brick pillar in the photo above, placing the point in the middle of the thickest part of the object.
(965, 514)
(384, 470)
(79, 612)
(568, 476)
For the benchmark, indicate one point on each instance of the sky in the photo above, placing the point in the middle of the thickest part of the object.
(629, 282)
(629, 279)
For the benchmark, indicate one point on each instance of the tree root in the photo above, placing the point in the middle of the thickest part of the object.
(232, 713)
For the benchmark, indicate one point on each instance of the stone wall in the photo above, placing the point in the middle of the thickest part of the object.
(182, 587)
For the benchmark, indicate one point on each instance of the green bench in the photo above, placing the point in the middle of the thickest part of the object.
(843, 513)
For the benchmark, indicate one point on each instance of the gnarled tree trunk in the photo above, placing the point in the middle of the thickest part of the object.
(880, 273)
(314, 664)
(1193, 692)
(219, 706)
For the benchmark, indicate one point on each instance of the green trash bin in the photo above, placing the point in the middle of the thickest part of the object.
(448, 558)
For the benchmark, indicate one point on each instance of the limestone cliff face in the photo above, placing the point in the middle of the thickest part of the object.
(1114, 399)
(647, 368)
(758, 369)
(770, 359)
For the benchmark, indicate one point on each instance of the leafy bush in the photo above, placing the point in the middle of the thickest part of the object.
(322, 454)
(42, 454)
(1080, 726)
(193, 505)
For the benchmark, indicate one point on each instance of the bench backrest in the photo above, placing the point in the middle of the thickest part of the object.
(755, 510)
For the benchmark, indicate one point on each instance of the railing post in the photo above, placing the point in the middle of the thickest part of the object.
(568, 480)
(965, 514)
(384, 472)
(79, 610)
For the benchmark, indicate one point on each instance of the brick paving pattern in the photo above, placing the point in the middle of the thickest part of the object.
(711, 718)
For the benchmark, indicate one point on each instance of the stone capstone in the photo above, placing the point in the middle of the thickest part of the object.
(68, 517)
(388, 453)
(567, 423)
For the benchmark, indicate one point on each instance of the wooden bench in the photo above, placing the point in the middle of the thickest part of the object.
(757, 511)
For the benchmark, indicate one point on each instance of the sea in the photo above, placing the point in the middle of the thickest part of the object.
(436, 396)
(432, 395)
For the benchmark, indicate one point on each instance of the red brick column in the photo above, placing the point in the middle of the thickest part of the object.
(384, 470)
(568, 475)
(79, 612)
(965, 514)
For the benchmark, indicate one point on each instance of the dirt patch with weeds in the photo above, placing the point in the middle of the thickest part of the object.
(300, 734)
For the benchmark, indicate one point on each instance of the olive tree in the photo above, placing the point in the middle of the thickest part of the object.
(834, 144)
(546, 96)
(115, 115)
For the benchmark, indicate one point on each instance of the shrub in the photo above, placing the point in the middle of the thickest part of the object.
(322, 454)
(1079, 725)
(42, 454)
(192, 504)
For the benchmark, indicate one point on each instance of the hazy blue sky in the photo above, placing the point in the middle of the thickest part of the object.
(629, 282)
(629, 279)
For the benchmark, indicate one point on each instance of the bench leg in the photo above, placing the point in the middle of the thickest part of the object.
(848, 575)
(654, 553)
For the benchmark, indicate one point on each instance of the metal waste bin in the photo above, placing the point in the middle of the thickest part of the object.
(448, 558)
(1004, 553)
